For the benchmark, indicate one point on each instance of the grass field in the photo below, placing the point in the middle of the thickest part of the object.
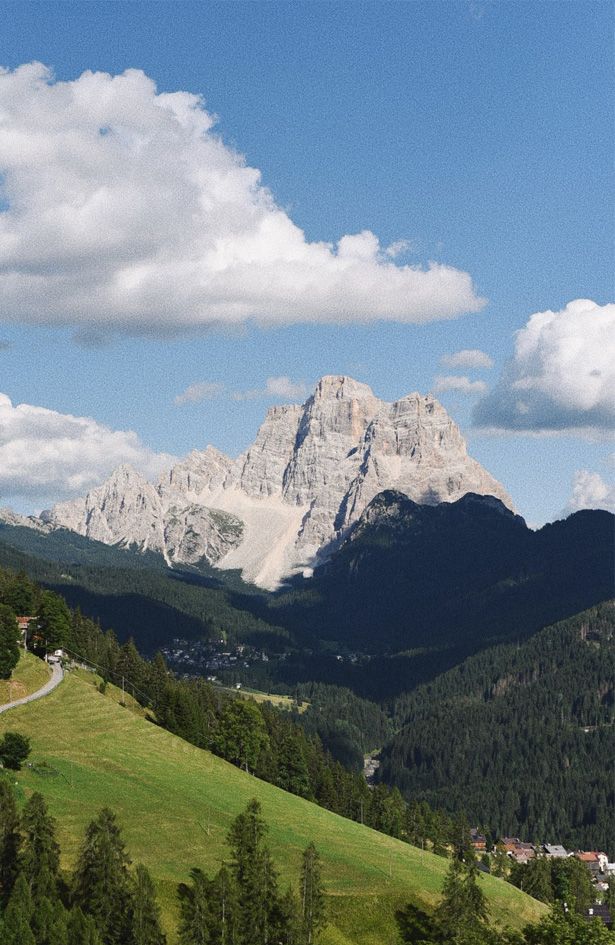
(28, 676)
(175, 804)
(282, 702)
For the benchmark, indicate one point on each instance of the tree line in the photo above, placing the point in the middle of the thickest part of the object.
(105, 901)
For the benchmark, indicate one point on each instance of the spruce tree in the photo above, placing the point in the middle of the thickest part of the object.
(312, 895)
(17, 916)
(9, 642)
(49, 922)
(40, 855)
(82, 928)
(255, 876)
(146, 913)
(102, 885)
(195, 902)
(9, 840)
(461, 917)
(290, 924)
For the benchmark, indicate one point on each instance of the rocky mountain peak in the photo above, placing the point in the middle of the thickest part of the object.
(340, 386)
(296, 492)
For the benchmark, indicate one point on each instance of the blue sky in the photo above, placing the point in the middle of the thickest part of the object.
(478, 133)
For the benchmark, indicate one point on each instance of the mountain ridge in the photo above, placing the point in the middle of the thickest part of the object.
(291, 498)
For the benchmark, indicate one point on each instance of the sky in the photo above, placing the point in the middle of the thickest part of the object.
(206, 207)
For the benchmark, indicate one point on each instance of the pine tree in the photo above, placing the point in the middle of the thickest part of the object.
(102, 884)
(40, 856)
(49, 922)
(82, 929)
(290, 930)
(9, 642)
(54, 620)
(9, 840)
(254, 875)
(312, 895)
(146, 913)
(17, 916)
(462, 915)
(197, 915)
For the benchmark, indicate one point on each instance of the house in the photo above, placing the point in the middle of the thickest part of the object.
(517, 850)
(598, 911)
(554, 851)
(23, 623)
(478, 841)
(597, 863)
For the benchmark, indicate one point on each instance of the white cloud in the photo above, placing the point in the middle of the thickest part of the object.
(279, 387)
(471, 358)
(284, 387)
(124, 211)
(590, 491)
(197, 392)
(45, 454)
(562, 374)
(462, 385)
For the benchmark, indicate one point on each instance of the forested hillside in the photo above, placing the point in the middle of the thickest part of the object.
(522, 736)
(136, 594)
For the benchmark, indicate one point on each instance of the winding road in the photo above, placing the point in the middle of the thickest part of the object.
(57, 675)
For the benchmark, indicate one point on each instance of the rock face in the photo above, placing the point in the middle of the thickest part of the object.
(289, 500)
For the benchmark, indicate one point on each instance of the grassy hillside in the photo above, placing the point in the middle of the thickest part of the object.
(28, 676)
(176, 802)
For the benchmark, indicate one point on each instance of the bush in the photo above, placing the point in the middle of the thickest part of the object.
(14, 749)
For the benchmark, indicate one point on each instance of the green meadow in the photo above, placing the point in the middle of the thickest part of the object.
(28, 676)
(175, 804)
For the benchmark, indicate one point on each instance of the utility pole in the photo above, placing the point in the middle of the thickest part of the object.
(123, 699)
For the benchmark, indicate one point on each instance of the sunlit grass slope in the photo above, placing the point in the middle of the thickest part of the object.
(28, 676)
(175, 804)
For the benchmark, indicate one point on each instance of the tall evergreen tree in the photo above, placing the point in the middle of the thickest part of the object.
(49, 922)
(82, 928)
(102, 884)
(9, 840)
(197, 915)
(146, 913)
(290, 923)
(17, 916)
(255, 876)
(312, 895)
(54, 620)
(461, 917)
(40, 855)
(9, 642)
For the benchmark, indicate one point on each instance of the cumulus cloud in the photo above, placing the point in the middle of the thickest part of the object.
(590, 491)
(123, 210)
(197, 392)
(471, 358)
(462, 385)
(561, 376)
(281, 387)
(45, 454)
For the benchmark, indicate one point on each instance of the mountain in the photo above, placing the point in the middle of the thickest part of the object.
(521, 737)
(294, 495)
(421, 587)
